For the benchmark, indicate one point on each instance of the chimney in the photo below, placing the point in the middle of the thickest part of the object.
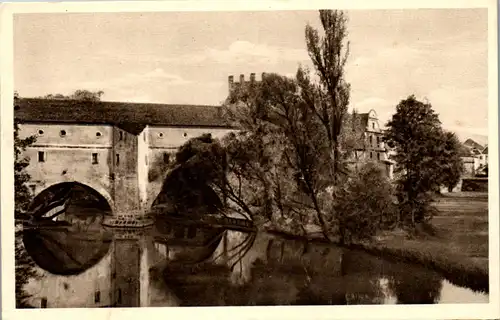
(230, 81)
(242, 78)
(252, 77)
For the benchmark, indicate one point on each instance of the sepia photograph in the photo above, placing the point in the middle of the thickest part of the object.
(233, 158)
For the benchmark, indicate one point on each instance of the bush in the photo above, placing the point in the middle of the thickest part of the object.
(365, 204)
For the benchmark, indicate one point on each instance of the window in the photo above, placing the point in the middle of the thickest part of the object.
(185, 134)
(62, 133)
(166, 157)
(119, 300)
(146, 159)
(41, 156)
(121, 135)
(117, 159)
(378, 156)
(40, 132)
(44, 303)
(378, 141)
(33, 188)
(97, 296)
(191, 232)
(95, 160)
(371, 155)
(373, 125)
(160, 134)
(98, 134)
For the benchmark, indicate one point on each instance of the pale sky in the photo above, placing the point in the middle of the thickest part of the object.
(439, 55)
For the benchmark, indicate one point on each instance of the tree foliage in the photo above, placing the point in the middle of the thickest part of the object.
(415, 131)
(23, 196)
(451, 166)
(24, 268)
(85, 95)
(366, 204)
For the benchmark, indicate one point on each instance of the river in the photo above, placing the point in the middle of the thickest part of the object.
(177, 264)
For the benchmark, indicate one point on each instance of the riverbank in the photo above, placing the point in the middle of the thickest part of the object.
(457, 245)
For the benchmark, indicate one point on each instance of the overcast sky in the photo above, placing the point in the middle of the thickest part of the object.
(440, 55)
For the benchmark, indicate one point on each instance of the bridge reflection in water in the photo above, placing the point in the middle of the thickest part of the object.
(189, 264)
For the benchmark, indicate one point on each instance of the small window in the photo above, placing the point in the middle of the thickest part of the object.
(166, 157)
(373, 125)
(117, 159)
(63, 133)
(41, 156)
(119, 300)
(160, 134)
(40, 132)
(95, 160)
(121, 135)
(191, 232)
(378, 156)
(98, 134)
(371, 155)
(44, 303)
(185, 134)
(97, 296)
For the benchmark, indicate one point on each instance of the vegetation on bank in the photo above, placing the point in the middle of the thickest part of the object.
(24, 265)
(293, 162)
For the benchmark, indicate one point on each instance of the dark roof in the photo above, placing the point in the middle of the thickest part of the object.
(125, 115)
(472, 144)
(485, 151)
(363, 118)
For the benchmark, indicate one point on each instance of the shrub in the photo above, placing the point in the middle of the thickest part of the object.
(364, 205)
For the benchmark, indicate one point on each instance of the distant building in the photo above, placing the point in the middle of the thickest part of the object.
(474, 157)
(372, 147)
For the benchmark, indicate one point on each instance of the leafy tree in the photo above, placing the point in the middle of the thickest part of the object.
(85, 95)
(23, 196)
(24, 269)
(415, 131)
(452, 166)
(299, 131)
(366, 204)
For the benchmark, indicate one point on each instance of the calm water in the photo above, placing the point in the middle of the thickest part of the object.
(87, 265)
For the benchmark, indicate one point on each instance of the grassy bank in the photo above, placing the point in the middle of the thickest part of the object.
(457, 247)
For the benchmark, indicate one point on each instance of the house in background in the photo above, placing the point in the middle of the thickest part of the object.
(371, 146)
(474, 157)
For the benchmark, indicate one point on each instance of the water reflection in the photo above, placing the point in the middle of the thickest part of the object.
(183, 263)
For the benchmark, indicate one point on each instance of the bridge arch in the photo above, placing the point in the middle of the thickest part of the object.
(100, 193)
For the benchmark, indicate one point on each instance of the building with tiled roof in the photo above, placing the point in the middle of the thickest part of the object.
(118, 149)
(371, 146)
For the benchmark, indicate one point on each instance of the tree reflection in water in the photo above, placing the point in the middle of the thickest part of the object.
(294, 273)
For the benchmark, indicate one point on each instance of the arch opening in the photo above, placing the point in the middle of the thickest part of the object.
(69, 199)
